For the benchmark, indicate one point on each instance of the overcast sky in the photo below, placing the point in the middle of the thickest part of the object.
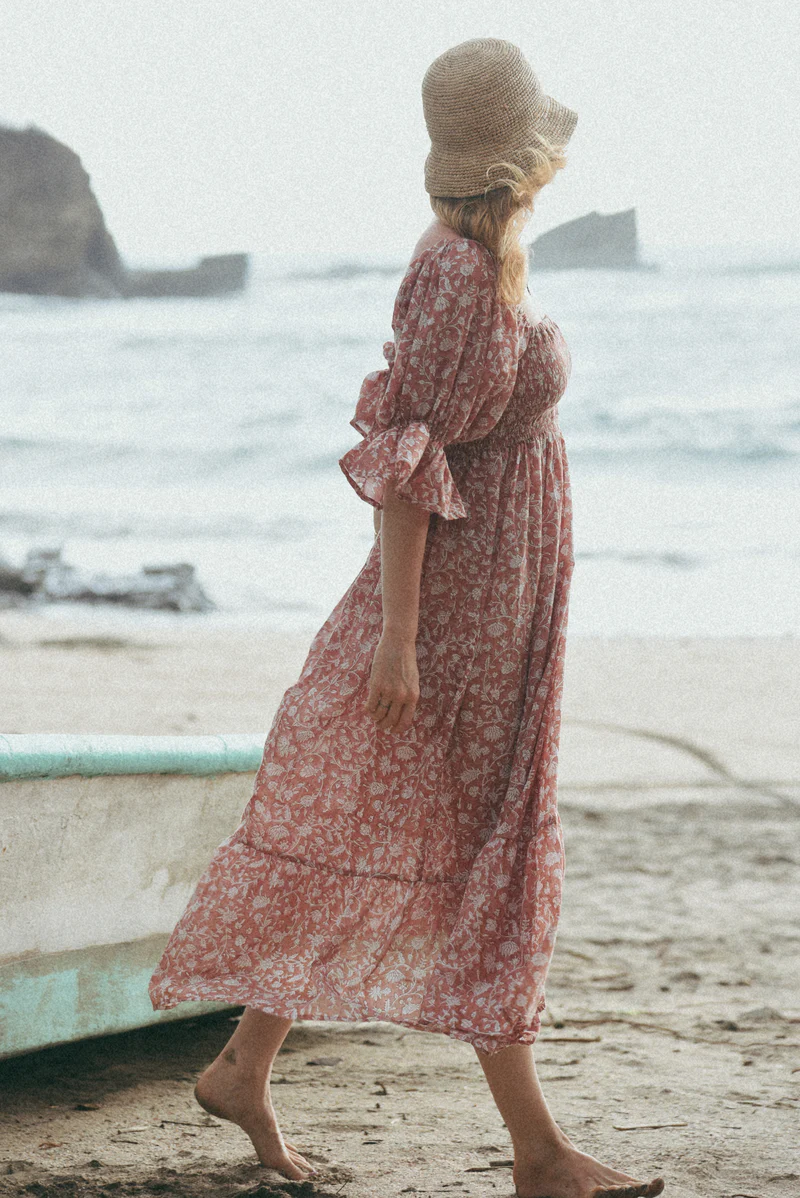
(215, 125)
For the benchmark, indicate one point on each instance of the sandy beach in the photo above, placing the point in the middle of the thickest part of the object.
(671, 1041)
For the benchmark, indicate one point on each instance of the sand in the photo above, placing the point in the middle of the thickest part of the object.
(671, 1041)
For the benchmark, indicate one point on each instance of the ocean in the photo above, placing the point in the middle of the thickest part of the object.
(209, 431)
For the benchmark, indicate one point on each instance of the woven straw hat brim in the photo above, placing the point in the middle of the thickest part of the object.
(456, 173)
(483, 105)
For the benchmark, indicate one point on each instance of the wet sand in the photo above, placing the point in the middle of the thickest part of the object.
(671, 1040)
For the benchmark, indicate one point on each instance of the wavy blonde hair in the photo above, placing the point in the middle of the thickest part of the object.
(497, 216)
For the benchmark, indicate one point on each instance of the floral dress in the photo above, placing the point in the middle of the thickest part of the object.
(417, 877)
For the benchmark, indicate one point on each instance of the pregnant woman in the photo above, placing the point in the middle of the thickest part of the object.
(401, 856)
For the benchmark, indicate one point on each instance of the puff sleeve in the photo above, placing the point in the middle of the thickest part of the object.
(451, 370)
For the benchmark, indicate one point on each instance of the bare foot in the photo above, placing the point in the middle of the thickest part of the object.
(568, 1173)
(225, 1091)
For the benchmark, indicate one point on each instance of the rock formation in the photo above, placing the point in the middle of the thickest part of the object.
(45, 578)
(593, 241)
(54, 240)
(212, 276)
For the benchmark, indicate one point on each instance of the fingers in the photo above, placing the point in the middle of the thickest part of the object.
(388, 721)
(395, 715)
(406, 718)
(374, 697)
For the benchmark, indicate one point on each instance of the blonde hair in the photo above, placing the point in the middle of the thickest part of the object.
(497, 216)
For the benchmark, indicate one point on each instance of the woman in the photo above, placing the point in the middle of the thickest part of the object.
(401, 855)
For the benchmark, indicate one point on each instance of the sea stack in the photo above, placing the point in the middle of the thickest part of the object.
(54, 240)
(590, 242)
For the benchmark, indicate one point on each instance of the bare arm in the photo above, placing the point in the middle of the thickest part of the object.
(394, 679)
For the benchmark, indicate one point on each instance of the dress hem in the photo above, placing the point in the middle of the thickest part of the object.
(169, 997)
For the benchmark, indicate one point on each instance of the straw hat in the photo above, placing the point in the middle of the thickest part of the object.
(482, 104)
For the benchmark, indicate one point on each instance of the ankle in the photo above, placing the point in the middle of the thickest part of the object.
(247, 1073)
(542, 1150)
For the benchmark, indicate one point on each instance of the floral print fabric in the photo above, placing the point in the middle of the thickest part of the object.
(417, 878)
(452, 369)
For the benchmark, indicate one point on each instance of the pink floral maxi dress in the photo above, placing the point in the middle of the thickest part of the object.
(416, 878)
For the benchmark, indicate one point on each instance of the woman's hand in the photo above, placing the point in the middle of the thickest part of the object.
(394, 683)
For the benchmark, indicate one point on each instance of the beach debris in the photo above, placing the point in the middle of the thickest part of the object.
(645, 1126)
(87, 1106)
(208, 1122)
(764, 1015)
(325, 1061)
(381, 1087)
(16, 1166)
(503, 1164)
(573, 952)
(45, 577)
(52, 1144)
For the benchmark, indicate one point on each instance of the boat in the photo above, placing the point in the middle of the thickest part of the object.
(103, 839)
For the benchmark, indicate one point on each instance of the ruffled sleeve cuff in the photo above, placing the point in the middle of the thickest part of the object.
(418, 466)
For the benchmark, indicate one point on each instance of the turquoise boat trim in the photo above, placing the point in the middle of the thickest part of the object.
(61, 997)
(50, 755)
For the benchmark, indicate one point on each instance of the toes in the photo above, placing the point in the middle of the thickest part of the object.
(293, 1171)
(300, 1160)
(638, 1189)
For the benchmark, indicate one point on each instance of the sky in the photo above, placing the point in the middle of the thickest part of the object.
(210, 126)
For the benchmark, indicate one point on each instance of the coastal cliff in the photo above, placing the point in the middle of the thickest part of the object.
(54, 239)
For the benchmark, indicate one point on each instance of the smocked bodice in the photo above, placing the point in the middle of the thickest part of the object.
(465, 373)
(542, 374)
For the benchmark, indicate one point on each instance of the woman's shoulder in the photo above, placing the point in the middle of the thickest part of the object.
(455, 248)
(460, 263)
